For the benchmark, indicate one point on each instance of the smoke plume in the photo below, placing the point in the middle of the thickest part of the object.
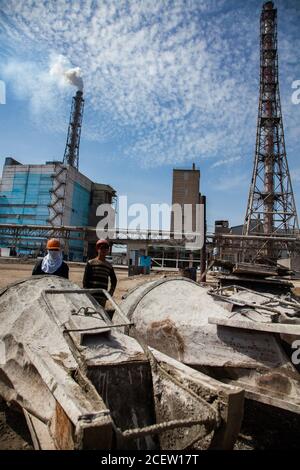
(60, 69)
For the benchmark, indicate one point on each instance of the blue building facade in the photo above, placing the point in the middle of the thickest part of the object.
(26, 198)
(25, 194)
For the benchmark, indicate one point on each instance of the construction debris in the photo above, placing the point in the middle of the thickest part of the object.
(82, 384)
(240, 344)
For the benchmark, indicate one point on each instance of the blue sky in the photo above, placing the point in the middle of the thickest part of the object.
(166, 84)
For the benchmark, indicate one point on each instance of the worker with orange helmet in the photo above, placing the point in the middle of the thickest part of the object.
(98, 271)
(52, 263)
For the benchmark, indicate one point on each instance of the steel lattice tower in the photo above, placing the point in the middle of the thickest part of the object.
(71, 156)
(271, 209)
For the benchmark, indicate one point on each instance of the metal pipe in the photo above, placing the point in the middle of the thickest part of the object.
(254, 237)
(202, 200)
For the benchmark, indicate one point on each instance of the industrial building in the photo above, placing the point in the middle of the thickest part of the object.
(185, 190)
(51, 194)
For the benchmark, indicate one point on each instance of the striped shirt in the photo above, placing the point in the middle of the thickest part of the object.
(96, 276)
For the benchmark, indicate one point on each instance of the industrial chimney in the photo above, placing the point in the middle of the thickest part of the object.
(71, 155)
(271, 207)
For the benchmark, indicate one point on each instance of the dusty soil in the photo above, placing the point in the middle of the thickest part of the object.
(264, 427)
(10, 273)
(14, 434)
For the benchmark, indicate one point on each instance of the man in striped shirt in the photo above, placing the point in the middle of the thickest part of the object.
(97, 271)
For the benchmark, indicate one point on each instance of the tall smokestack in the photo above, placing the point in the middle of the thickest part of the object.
(71, 155)
(271, 206)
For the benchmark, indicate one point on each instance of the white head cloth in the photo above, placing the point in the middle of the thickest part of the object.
(52, 261)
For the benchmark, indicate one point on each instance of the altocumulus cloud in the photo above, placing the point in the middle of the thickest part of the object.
(169, 80)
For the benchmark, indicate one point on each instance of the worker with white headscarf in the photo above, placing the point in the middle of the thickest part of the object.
(52, 263)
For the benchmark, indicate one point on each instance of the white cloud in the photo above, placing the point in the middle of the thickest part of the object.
(47, 99)
(178, 81)
(225, 162)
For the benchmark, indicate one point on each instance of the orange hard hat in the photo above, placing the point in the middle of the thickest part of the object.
(53, 244)
(102, 242)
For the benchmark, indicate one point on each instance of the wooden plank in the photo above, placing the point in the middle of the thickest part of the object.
(285, 328)
(226, 436)
(40, 433)
(211, 384)
(259, 280)
(265, 396)
(62, 429)
(257, 269)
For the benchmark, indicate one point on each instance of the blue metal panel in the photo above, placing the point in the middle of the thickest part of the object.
(28, 199)
(79, 217)
(80, 205)
(29, 210)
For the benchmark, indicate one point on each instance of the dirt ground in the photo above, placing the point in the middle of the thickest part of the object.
(10, 273)
(263, 427)
(14, 434)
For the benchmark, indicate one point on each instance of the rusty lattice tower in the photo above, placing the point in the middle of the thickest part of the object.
(271, 210)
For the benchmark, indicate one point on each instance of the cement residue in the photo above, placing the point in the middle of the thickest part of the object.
(176, 403)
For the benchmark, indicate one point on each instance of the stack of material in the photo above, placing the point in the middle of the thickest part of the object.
(262, 270)
(255, 275)
(258, 311)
